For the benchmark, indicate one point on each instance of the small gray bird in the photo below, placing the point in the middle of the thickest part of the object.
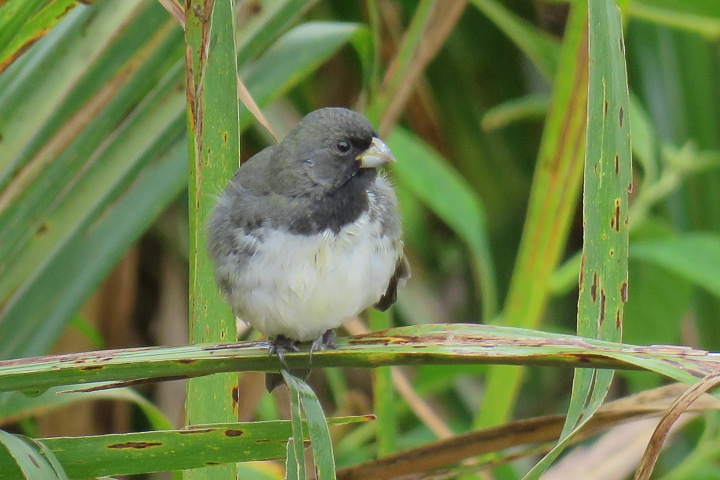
(307, 233)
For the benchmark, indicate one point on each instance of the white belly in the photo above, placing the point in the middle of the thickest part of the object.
(301, 286)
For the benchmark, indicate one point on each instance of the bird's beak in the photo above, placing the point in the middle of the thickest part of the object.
(378, 154)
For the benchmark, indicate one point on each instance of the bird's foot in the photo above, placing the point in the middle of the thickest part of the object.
(281, 344)
(324, 341)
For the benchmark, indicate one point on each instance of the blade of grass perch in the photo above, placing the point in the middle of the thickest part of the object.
(316, 425)
(603, 274)
(555, 188)
(213, 125)
(444, 344)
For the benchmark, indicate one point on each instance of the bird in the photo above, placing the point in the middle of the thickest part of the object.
(307, 234)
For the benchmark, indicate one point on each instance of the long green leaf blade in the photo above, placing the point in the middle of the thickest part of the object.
(214, 154)
(317, 427)
(604, 274)
(460, 344)
(694, 256)
(553, 197)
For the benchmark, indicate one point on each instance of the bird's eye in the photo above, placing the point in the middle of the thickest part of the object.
(343, 146)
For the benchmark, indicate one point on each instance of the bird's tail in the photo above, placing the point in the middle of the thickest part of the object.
(274, 380)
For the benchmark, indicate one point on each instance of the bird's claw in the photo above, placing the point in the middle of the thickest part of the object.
(324, 341)
(281, 344)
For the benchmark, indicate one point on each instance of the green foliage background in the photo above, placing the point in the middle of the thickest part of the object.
(483, 105)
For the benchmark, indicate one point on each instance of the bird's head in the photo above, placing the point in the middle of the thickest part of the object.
(328, 148)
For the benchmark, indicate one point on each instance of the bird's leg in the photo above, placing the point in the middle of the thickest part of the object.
(281, 344)
(324, 341)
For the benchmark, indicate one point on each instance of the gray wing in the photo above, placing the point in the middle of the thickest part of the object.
(401, 275)
(387, 210)
(236, 221)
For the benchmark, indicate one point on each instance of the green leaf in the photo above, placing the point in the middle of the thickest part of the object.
(31, 458)
(126, 180)
(693, 256)
(550, 210)
(542, 50)
(51, 82)
(529, 107)
(701, 17)
(293, 57)
(30, 327)
(23, 22)
(316, 424)
(145, 452)
(292, 464)
(604, 268)
(269, 21)
(214, 155)
(417, 345)
(15, 406)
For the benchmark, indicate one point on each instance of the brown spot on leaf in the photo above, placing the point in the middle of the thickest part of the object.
(617, 164)
(603, 298)
(234, 433)
(593, 287)
(92, 367)
(630, 187)
(255, 8)
(615, 220)
(195, 430)
(186, 361)
(622, 116)
(135, 445)
(624, 292)
(236, 394)
(606, 107)
(42, 229)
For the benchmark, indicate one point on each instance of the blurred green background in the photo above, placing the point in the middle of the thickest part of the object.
(93, 178)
